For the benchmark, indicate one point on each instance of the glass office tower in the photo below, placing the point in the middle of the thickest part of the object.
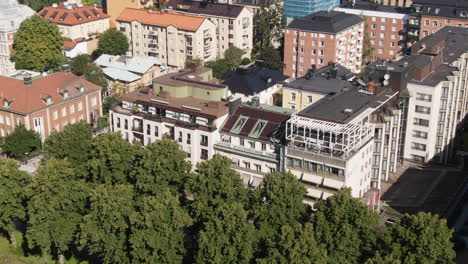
(300, 8)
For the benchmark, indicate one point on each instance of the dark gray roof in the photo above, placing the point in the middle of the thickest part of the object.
(443, 8)
(206, 8)
(371, 6)
(333, 108)
(327, 22)
(252, 80)
(455, 42)
(322, 80)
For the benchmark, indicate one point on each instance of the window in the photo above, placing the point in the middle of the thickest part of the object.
(241, 141)
(246, 165)
(422, 109)
(376, 160)
(427, 22)
(418, 146)
(204, 154)
(383, 19)
(393, 37)
(441, 116)
(309, 99)
(302, 43)
(322, 43)
(382, 27)
(440, 128)
(148, 129)
(382, 35)
(93, 101)
(252, 144)
(55, 116)
(72, 109)
(393, 29)
(258, 167)
(374, 26)
(419, 134)
(263, 146)
(421, 122)
(180, 139)
(80, 106)
(322, 53)
(448, 21)
(189, 139)
(377, 146)
(439, 140)
(293, 96)
(435, 23)
(156, 131)
(204, 140)
(302, 50)
(118, 122)
(418, 158)
(64, 112)
(423, 97)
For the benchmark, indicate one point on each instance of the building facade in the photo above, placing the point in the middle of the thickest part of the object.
(115, 7)
(399, 3)
(431, 16)
(253, 138)
(300, 8)
(321, 38)
(172, 38)
(48, 103)
(77, 21)
(188, 107)
(11, 16)
(234, 23)
(332, 142)
(386, 27)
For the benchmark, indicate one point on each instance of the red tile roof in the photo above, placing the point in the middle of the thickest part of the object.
(29, 98)
(72, 14)
(162, 19)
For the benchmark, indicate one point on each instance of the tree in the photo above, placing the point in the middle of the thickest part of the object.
(420, 238)
(112, 42)
(345, 226)
(12, 196)
(111, 159)
(389, 259)
(55, 209)
(295, 245)
(94, 74)
(38, 45)
(88, 2)
(269, 24)
(227, 238)
(233, 56)
(37, 5)
(79, 64)
(271, 58)
(161, 165)
(278, 201)
(214, 184)
(104, 229)
(73, 144)
(109, 101)
(21, 142)
(219, 67)
(157, 234)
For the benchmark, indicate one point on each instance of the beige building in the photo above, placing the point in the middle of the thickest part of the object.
(76, 21)
(114, 7)
(172, 38)
(234, 23)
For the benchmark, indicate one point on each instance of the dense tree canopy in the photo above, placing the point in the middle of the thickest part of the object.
(112, 42)
(21, 142)
(79, 64)
(38, 45)
(13, 182)
(272, 59)
(232, 59)
(269, 24)
(37, 5)
(345, 226)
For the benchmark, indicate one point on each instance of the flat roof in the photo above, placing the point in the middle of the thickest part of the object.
(190, 78)
(331, 22)
(371, 6)
(335, 108)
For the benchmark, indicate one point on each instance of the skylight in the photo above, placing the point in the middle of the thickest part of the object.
(240, 123)
(258, 128)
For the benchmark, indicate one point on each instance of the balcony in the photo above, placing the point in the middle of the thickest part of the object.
(247, 152)
(415, 26)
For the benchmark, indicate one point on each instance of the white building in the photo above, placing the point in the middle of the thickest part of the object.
(253, 138)
(234, 23)
(172, 38)
(188, 107)
(331, 142)
(11, 16)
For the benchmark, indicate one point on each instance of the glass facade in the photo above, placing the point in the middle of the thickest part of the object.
(300, 8)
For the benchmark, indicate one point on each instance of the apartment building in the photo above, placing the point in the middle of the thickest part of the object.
(386, 27)
(172, 38)
(332, 143)
(430, 16)
(76, 21)
(234, 23)
(255, 80)
(10, 19)
(322, 37)
(253, 138)
(300, 8)
(399, 3)
(315, 85)
(433, 81)
(47, 103)
(129, 72)
(187, 106)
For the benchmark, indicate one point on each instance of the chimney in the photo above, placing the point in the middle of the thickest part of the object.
(27, 79)
(233, 104)
(256, 101)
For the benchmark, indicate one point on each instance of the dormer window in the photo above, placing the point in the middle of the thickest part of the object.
(80, 88)
(48, 100)
(65, 94)
(463, 13)
(437, 10)
(6, 103)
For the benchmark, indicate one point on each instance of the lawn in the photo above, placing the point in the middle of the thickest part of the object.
(10, 255)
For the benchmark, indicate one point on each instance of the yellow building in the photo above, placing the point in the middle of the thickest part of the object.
(315, 85)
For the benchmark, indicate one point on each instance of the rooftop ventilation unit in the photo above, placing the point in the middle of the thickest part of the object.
(348, 111)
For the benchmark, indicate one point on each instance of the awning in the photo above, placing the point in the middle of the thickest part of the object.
(245, 178)
(296, 173)
(326, 195)
(333, 183)
(255, 182)
(312, 178)
(314, 193)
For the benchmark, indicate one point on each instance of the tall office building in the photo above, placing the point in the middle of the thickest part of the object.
(300, 8)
